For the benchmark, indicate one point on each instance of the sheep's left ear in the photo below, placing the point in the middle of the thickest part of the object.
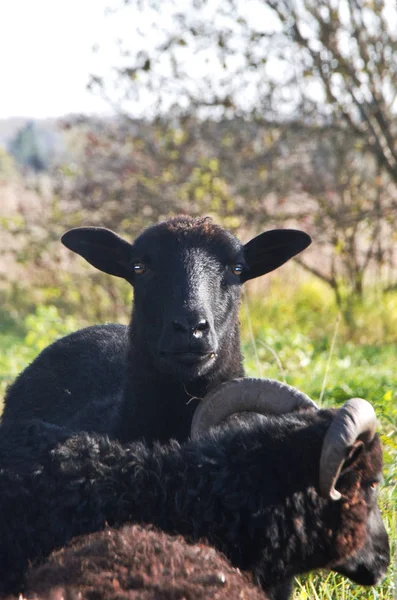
(271, 249)
(352, 457)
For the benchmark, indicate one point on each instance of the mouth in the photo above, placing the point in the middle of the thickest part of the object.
(363, 575)
(190, 358)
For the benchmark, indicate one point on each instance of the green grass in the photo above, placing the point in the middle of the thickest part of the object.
(293, 333)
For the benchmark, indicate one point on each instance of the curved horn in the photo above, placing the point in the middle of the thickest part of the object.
(246, 394)
(356, 419)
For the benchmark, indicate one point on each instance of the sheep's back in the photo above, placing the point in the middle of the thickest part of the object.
(139, 562)
(63, 384)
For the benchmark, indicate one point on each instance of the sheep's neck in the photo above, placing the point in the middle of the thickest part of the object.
(165, 405)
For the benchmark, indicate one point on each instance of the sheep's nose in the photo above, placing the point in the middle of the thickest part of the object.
(195, 328)
(200, 328)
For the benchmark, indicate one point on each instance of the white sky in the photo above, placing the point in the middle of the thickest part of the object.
(46, 55)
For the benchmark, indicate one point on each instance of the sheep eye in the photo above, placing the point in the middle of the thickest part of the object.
(139, 268)
(374, 485)
(237, 269)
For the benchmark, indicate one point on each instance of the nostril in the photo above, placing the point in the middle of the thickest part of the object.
(180, 327)
(197, 330)
(202, 325)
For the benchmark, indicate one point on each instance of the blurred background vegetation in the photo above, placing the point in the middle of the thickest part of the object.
(261, 114)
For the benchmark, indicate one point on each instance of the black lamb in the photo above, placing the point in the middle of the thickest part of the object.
(278, 495)
(145, 381)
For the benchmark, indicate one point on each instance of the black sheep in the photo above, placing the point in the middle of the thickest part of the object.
(263, 493)
(183, 339)
(138, 563)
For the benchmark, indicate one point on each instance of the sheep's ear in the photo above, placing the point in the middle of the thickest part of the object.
(272, 249)
(352, 457)
(102, 248)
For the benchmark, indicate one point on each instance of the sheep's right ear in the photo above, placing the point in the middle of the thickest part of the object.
(102, 248)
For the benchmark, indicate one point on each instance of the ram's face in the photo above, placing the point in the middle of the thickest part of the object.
(368, 564)
(186, 293)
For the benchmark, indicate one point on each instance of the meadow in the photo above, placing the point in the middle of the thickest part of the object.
(292, 331)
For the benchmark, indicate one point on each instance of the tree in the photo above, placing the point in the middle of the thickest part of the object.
(27, 148)
(35, 148)
(348, 204)
(289, 99)
(349, 48)
(321, 60)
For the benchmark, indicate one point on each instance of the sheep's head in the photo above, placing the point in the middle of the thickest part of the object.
(361, 538)
(187, 275)
(350, 472)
